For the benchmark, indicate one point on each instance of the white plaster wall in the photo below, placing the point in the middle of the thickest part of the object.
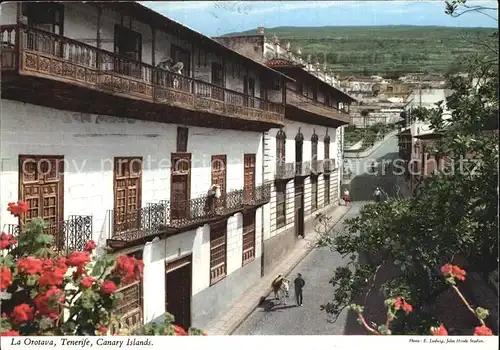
(8, 12)
(291, 129)
(90, 142)
(197, 243)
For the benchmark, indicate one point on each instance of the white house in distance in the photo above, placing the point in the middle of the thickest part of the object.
(303, 157)
(116, 122)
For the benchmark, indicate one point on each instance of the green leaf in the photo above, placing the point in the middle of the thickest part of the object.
(44, 239)
(31, 280)
(45, 323)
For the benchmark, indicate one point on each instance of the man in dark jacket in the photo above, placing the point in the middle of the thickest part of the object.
(299, 284)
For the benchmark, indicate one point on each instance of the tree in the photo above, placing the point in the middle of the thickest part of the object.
(455, 212)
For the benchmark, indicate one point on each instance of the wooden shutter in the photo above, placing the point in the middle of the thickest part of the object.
(218, 242)
(249, 177)
(248, 237)
(219, 168)
(180, 185)
(41, 186)
(127, 193)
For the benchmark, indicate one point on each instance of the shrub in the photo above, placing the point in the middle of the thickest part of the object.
(48, 293)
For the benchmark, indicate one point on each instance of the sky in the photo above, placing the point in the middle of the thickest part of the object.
(215, 18)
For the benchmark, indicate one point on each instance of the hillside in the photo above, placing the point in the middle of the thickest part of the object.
(388, 50)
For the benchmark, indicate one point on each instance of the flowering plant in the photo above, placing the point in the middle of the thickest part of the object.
(45, 292)
(451, 273)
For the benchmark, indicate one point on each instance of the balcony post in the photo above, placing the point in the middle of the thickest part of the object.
(98, 36)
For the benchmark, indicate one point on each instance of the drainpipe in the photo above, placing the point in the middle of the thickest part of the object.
(262, 272)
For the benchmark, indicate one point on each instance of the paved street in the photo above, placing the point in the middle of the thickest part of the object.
(274, 319)
(363, 183)
(271, 318)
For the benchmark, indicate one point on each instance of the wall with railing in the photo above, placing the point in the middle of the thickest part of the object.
(81, 23)
(89, 144)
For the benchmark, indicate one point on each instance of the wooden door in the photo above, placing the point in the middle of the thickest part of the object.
(127, 194)
(249, 177)
(41, 186)
(299, 207)
(180, 185)
(178, 281)
(248, 237)
(219, 166)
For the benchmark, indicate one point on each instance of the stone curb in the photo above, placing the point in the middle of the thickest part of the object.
(286, 272)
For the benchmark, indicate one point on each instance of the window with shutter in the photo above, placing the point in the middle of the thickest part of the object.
(280, 204)
(248, 237)
(218, 261)
(314, 193)
(180, 185)
(249, 177)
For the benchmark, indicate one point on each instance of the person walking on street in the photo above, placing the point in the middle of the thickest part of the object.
(377, 194)
(347, 197)
(299, 285)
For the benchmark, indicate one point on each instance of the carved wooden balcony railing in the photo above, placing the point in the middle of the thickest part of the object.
(285, 170)
(69, 235)
(306, 103)
(303, 168)
(167, 217)
(39, 53)
(329, 165)
(316, 166)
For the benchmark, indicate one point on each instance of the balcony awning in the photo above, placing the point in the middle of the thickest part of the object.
(430, 136)
(296, 70)
(149, 16)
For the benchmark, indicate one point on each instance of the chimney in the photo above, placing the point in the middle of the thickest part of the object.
(260, 30)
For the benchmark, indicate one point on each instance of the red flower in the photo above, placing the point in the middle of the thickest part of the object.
(108, 287)
(102, 329)
(458, 273)
(22, 313)
(129, 269)
(88, 281)
(5, 278)
(10, 333)
(79, 273)
(7, 241)
(29, 265)
(18, 208)
(53, 272)
(45, 302)
(453, 271)
(90, 246)
(78, 259)
(402, 304)
(482, 330)
(178, 330)
(439, 330)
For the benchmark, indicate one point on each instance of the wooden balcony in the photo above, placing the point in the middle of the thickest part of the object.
(87, 79)
(69, 235)
(284, 171)
(168, 218)
(304, 108)
(302, 169)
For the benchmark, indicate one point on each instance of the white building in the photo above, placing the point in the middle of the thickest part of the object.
(106, 139)
(315, 113)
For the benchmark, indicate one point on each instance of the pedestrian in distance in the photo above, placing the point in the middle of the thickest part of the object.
(377, 194)
(299, 285)
(347, 197)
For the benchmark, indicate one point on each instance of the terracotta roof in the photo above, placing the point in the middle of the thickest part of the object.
(280, 62)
